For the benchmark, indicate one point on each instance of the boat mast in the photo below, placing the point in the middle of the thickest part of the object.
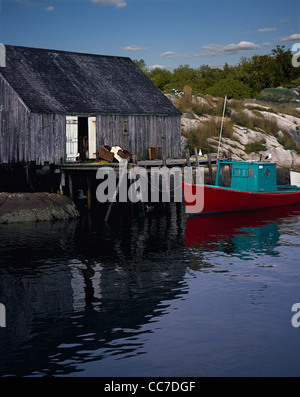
(222, 126)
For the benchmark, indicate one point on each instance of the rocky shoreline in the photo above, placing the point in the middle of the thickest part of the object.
(35, 207)
(253, 129)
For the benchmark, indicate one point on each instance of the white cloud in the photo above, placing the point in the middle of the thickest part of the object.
(292, 37)
(284, 20)
(159, 67)
(116, 3)
(172, 54)
(266, 44)
(218, 49)
(133, 48)
(49, 9)
(267, 30)
(168, 54)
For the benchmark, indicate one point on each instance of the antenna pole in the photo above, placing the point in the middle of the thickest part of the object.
(222, 126)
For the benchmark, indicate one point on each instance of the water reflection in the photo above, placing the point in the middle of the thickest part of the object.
(239, 232)
(244, 235)
(79, 291)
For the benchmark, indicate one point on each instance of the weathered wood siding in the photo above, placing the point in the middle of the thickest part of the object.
(41, 137)
(143, 132)
(13, 113)
(26, 136)
(48, 138)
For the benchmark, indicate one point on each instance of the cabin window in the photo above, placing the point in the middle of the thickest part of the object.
(124, 142)
(241, 172)
(251, 171)
(267, 173)
(224, 178)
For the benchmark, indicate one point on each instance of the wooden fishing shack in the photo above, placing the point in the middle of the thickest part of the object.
(58, 107)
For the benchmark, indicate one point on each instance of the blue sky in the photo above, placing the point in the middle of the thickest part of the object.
(165, 33)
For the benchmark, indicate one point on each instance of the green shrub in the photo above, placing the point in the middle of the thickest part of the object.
(287, 142)
(208, 129)
(256, 147)
(232, 88)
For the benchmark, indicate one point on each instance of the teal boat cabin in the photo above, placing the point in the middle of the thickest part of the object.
(249, 176)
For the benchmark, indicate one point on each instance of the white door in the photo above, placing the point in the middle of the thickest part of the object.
(72, 138)
(92, 137)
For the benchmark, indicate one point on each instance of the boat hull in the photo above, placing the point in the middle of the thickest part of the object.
(212, 199)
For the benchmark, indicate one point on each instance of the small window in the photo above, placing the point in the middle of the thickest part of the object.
(125, 127)
(251, 170)
(267, 173)
(236, 172)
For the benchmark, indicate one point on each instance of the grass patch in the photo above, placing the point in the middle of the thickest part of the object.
(243, 119)
(256, 147)
(208, 129)
(287, 142)
(277, 95)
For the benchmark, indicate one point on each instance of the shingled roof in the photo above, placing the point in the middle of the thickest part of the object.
(50, 81)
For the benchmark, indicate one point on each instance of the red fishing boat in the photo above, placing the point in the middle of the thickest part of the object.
(240, 186)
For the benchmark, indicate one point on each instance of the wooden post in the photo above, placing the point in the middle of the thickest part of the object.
(89, 193)
(164, 161)
(188, 157)
(197, 157)
(188, 162)
(30, 176)
(62, 183)
(163, 145)
(70, 186)
(121, 178)
(134, 159)
(209, 168)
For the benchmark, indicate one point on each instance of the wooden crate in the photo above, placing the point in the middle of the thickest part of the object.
(124, 154)
(155, 153)
(105, 153)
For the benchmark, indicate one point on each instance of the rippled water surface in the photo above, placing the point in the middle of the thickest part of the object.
(163, 296)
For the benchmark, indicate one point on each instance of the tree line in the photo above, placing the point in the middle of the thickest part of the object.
(244, 80)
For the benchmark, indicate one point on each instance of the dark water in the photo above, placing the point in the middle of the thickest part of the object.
(163, 296)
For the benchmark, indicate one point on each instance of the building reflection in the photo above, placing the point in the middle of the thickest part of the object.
(78, 291)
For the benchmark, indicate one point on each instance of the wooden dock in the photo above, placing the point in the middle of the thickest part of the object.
(94, 166)
(82, 175)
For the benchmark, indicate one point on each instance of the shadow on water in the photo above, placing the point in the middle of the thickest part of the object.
(73, 289)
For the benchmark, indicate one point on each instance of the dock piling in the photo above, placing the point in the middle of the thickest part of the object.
(121, 178)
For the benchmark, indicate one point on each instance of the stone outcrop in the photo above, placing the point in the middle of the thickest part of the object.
(35, 207)
(242, 137)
